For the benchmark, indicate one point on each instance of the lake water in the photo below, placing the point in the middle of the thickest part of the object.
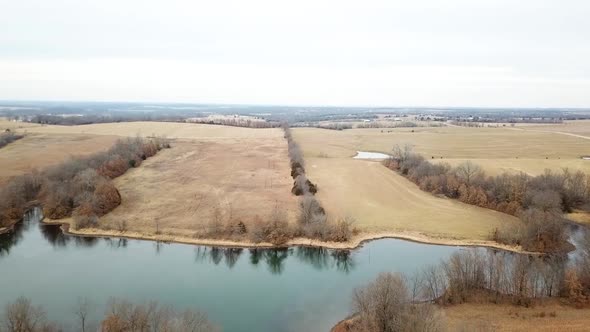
(295, 289)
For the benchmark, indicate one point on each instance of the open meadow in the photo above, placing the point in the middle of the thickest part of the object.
(38, 150)
(495, 149)
(550, 317)
(212, 173)
(181, 191)
(383, 201)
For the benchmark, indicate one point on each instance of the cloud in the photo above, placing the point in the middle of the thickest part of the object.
(456, 52)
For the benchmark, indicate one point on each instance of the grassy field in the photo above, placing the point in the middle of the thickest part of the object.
(383, 201)
(167, 129)
(180, 189)
(36, 151)
(495, 149)
(577, 127)
(228, 173)
(492, 317)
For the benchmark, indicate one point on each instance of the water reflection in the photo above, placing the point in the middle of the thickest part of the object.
(12, 238)
(275, 258)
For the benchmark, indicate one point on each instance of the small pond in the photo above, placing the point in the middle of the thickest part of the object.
(371, 155)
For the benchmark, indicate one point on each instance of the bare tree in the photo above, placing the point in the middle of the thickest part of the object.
(468, 172)
(82, 311)
(23, 316)
(384, 305)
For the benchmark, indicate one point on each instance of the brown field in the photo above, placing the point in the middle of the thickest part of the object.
(36, 151)
(167, 129)
(577, 127)
(383, 201)
(492, 317)
(495, 149)
(180, 189)
(237, 174)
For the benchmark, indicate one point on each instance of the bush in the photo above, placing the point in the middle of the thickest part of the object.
(85, 221)
(81, 185)
(8, 137)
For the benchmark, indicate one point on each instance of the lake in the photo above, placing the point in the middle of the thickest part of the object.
(294, 289)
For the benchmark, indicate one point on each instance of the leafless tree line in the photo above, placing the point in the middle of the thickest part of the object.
(312, 222)
(238, 122)
(388, 124)
(120, 316)
(81, 187)
(8, 137)
(394, 302)
(539, 201)
(301, 185)
(385, 305)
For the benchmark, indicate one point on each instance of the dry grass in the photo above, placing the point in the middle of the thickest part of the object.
(580, 216)
(181, 188)
(495, 149)
(383, 201)
(168, 129)
(577, 127)
(36, 151)
(551, 316)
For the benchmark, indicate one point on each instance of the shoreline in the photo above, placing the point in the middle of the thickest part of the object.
(355, 243)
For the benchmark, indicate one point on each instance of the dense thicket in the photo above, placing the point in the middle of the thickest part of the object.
(81, 187)
(120, 316)
(8, 137)
(539, 201)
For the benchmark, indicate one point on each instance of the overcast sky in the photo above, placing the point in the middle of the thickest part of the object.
(525, 53)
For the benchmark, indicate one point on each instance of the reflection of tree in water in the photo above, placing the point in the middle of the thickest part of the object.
(116, 242)
(344, 260)
(54, 235)
(231, 256)
(201, 253)
(255, 256)
(317, 257)
(322, 258)
(158, 245)
(85, 241)
(217, 254)
(12, 238)
(275, 258)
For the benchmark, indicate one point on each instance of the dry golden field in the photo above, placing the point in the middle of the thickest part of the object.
(36, 151)
(549, 317)
(211, 172)
(181, 190)
(383, 201)
(577, 127)
(167, 129)
(495, 149)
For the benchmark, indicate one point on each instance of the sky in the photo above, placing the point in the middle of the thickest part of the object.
(480, 53)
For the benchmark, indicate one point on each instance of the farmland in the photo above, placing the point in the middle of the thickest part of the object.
(384, 201)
